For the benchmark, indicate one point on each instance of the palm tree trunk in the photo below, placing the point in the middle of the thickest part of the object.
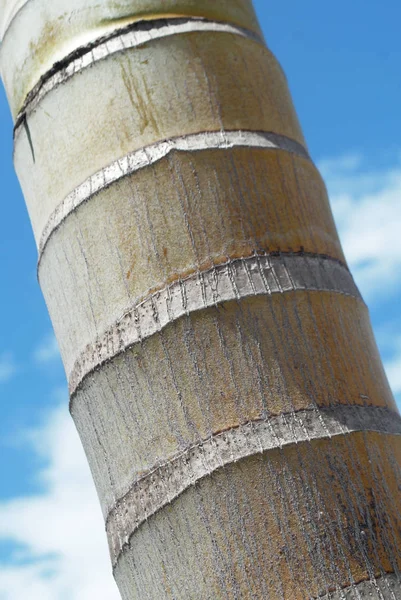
(223, 373)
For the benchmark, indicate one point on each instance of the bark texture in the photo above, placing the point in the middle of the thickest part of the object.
(223, 373)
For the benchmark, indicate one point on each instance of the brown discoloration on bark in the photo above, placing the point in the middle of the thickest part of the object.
(204, 208)
(132, 36)
(312, 503)
(59, 32)
(200, 88)
(141, 104)
(296, 350)
(163, 484)
(144, 158)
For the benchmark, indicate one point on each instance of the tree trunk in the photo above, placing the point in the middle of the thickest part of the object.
(223, 373)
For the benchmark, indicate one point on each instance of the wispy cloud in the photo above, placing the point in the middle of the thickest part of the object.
(367, 207)
(393, 370)
(62, 550)
(389, 338)
(47, 351)
(8, 367)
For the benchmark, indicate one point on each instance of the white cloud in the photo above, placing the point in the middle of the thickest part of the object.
(7, 367)
(59, 533)
(389, 338)
(393, 370)
(47, 351)
(367, 207)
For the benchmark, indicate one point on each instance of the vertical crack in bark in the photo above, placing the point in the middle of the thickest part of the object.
(28, 134)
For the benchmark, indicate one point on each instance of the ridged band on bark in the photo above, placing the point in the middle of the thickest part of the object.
(234, 280)
(385, 587)
(200, 356)
(163, 484)
(144, 157)
(128, 80)
(317, 529)
(133, 36)
(217, 222)
(40, 33)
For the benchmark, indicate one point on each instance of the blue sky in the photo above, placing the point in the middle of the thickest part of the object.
(343, 61)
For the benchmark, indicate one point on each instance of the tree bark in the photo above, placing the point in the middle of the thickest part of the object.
(223, 373)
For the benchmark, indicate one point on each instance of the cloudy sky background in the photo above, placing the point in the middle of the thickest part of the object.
(342, 62)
